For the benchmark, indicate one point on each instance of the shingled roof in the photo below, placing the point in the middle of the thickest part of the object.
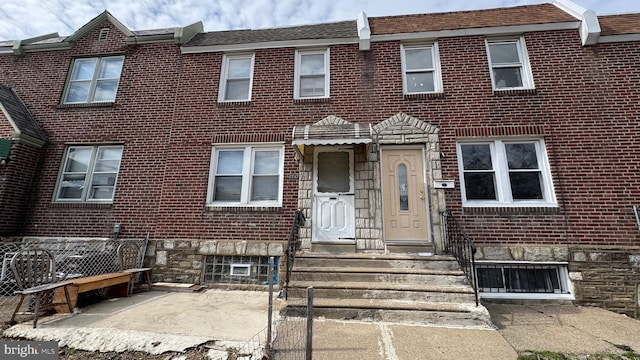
(19, 115)
(620, 24)
(336, 30)
(519, 15)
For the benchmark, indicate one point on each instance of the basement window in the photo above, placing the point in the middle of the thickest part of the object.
(227, 269)
(523, 280)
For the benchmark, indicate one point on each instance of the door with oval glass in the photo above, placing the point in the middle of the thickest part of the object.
(403, 195)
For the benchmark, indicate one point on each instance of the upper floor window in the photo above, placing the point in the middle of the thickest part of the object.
(94, 80)
(505, 173)
(420, 66)
(236, 78)
(509, 64)
(311, 74)
(244, 175)
(89, 173)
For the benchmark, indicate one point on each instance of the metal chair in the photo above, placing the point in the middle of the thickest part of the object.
(34, 272)
(129, 258)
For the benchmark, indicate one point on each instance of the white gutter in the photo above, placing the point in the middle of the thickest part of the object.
(589, 25)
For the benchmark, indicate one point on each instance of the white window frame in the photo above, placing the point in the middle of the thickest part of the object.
(525, 67)
(435, 60)
(501, 174)
(94, 81)
(247, 175)
(224, 76)
(89, 174)
(564, 282)
(298, 75)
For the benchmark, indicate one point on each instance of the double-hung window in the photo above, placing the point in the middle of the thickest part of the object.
(246, 175)
(89, 173)
(94, 80)
(420, 66)
(236, 78)
(311, 74)
(509, 64)
(505, 173)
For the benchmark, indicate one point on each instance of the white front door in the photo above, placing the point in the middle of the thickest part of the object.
(333, 216)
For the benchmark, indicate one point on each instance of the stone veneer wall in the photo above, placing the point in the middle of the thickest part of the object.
(606, 277)
(182, 261)
(400, 129)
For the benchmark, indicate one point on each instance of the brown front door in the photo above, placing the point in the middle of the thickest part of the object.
(403, 195)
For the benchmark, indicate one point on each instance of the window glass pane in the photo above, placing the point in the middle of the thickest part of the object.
(83, 69)
(504, 53)
(480, 186)
(312, 64)
(105, 90)
(507, 77)
(227, 188)
(78, 92)
(101, 193)
(264, 188)
(476, 157)
(402, 187)
(490, 278)
(111, 68)
(420, 82)
(521, 156)
(237, 90)
(333, 172)
(239, 68)
(103, 180)
(525, 185)
(312, 86)
(78, 159)
(71, 186)
(230, 162)
(266, 162)
(418, 59)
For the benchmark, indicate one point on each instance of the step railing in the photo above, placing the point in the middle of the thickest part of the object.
(293, 245)
(458, 244)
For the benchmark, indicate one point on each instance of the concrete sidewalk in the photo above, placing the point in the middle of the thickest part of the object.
(158, 322)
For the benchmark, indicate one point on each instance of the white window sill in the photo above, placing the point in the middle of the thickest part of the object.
(526, 296)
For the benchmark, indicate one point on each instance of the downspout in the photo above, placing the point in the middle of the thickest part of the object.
(635, 210)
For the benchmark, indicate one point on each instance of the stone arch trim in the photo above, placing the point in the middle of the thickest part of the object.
(403, 124)
(332, 120)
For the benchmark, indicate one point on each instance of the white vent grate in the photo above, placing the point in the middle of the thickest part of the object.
(103, 34)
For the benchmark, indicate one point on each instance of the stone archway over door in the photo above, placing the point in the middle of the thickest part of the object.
(406, 132)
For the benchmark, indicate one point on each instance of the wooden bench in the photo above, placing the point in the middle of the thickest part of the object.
(118, 284)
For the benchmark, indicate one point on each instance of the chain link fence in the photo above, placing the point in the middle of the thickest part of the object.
(294, 330)
(74, 258)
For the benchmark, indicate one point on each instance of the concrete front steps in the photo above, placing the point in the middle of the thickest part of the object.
(393, 288)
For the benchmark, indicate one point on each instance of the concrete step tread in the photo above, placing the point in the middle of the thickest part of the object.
(381, 286)
(385, 304)
(374, 256)
(377, 270)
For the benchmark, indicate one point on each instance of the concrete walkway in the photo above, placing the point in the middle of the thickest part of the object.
(158, 322)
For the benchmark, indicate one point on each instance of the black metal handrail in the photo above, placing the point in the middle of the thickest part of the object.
(293, 245)
(458, 244)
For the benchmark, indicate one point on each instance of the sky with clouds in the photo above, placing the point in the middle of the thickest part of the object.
(22, 19)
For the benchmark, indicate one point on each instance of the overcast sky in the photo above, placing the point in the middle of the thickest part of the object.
(22, 19)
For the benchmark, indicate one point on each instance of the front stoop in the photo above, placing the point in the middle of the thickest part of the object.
(425, 290)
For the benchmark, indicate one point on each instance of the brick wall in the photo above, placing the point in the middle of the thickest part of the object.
(16, 178)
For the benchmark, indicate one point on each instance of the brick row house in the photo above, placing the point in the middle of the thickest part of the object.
(520, 123)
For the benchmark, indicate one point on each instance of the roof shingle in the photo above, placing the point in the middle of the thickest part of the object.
(343, 29)
(519, 15)
(19, 113)
(620, 24)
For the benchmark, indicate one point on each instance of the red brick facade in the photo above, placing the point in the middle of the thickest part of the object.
(585, 105)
